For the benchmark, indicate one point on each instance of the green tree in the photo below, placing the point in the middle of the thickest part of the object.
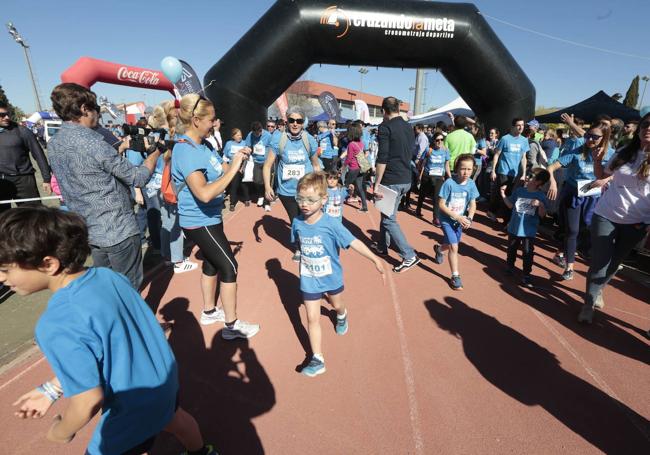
(15, 113)
(632, 95)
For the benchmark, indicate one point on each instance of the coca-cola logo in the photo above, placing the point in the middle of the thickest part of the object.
(144, 77)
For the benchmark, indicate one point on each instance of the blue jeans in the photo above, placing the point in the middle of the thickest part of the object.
(389, 230)
(171, 239)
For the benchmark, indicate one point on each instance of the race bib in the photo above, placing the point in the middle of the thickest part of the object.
(334, 210)
(525, 206)
(315, 267)
(293, 171)
(155, 182)
(457, 205)
(436, 171)
(588, 169)
(258, 149)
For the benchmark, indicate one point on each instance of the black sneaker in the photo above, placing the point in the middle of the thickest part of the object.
(440, 256)
(567, 275)
(377, 250)
(525, 281)
(406, 264)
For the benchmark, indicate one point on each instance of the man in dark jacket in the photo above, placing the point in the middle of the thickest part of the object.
(396, 144)
(17, 179)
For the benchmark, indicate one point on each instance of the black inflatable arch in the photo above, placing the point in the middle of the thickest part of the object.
(294, 34)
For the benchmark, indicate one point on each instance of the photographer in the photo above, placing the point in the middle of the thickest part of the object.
(95, 180)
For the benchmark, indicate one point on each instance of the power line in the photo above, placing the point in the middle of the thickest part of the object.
(566, 41)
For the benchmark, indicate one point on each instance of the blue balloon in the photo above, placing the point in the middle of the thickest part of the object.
(172, 69)
(644, 110)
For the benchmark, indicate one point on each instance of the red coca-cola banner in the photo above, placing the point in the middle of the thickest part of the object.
(86, 71)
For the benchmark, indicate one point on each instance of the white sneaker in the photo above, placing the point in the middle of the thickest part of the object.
(267, 208)
(241, 329)
(185, 266)
(260, 202)
(217, 316)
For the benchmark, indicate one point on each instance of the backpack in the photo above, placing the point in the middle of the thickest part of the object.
(168, 188)
(284, 139)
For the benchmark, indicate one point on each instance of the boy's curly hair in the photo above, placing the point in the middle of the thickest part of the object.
(29, 234)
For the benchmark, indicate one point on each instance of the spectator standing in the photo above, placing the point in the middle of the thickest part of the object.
(459, 141)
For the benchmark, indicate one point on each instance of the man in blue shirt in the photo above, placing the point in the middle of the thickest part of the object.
(259, 141)
(509, 162)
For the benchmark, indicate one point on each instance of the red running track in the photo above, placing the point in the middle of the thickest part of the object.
(494, 368)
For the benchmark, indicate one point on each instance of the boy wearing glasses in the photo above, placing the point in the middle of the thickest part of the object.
(320, 238)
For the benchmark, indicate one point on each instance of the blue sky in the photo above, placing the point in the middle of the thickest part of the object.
(201, 31)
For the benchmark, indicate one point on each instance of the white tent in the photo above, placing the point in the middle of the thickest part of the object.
(456, 107)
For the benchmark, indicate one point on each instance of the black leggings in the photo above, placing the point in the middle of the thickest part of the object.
(354, 176)
(527, 251)
(497, 205)
(430, 187)
(235, 184)
(291, 206)
(217, 255)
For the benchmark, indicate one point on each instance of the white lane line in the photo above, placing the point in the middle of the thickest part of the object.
(406, 359)
(631, 314)
(22, 373)
(595, 376)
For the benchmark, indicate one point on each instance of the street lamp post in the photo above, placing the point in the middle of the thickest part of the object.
(412, 89)
(19, 39)
(644, 79)
(363, 71)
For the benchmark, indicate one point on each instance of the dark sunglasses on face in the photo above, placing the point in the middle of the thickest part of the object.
(4, 114)
(644, 125)
(299, 121)
(593, 137)
(438, 139)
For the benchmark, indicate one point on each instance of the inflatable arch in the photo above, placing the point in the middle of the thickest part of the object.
(294, 34)
(86, 71)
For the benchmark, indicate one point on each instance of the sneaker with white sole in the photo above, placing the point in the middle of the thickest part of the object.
(296, 256)
(185, 266)
(260, 202)
(217, 316)
(406, 264)
(314, 368)
(342, 325)
(267, 208)
(241, 329)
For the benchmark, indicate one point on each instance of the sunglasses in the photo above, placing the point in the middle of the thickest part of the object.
(642, 125)
(4, 114)
(306, 200)
(593, 137)
(201, 97)
(439, 140)
(299, 121)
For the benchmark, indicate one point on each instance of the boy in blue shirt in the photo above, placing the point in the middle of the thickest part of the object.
(527, 204)
(336, 195)
(98, 335)
(457, 197)
(320, 238)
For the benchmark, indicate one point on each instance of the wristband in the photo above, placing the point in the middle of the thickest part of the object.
(52, 392)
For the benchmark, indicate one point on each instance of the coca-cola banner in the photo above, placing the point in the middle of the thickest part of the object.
(189, 81)
(87, 71)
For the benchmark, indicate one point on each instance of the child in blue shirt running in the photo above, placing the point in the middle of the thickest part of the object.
(320, 238)
(528, 205)
(101, 339)
(456, 205)
(336, 195)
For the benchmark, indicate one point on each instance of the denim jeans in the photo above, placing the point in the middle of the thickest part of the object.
(389, 230)
(124, 258)
(171, 239)
(610, 244)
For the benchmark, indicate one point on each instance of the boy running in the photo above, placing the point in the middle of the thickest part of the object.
(320, 238)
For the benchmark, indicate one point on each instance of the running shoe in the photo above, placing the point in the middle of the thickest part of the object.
(217, 316)
(586, 314)
(267, 208)
(377, 250)
(567, 275)
(314, 368)
(525, 281)
(440, 256)
(406, 264)
(241, 329)
(260, 202)
(456, 283)
(342, 325)
(559, 261)
(185, 266)
(296, 256)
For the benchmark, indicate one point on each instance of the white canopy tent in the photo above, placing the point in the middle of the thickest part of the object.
(456, 107)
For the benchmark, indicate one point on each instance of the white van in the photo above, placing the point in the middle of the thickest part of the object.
(51, 128)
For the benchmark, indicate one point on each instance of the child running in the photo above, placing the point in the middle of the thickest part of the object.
(457, 197)
(98, 335)
(528, 205)
(336, 195)
(320, 238)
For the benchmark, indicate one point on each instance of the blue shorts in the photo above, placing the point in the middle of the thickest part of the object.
(452, 232)
(319, 295)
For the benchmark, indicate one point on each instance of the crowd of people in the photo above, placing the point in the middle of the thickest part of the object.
(181, 177)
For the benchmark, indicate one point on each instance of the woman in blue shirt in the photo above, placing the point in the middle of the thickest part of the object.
(201, 177)
(575, 207)
(434, 168)
(230, 149)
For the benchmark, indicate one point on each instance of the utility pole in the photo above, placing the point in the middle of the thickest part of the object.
(363, 71)
(19, 39)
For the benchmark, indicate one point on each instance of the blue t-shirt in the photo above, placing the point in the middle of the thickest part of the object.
(571, 143)
(579, 167)
(188, 157)
(512, 150)
(98, 332)
(457, 197)
(135, 158)
(293, 162)
(435, 162)
(320, 266)
(326, 145)
(259, 145)
(480, 144)
(335, 199)
(230, 148)
(524, 220)
(365, 138)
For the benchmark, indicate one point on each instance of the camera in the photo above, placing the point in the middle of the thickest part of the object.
(137, 133)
